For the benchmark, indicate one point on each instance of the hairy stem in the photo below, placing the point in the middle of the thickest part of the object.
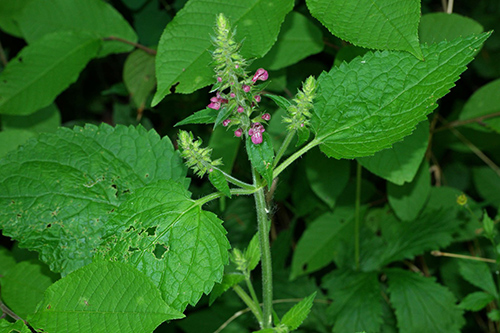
(357, 215)
(295, 156)
(284, 146)
(265, 250)
(254, 307)
(236, 181)
(203, 200)
(253, 294)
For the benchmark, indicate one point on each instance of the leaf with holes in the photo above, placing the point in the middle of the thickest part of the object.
(166, 235)
(59, 192)
(378, 99)
(103, 297)
(182, 52)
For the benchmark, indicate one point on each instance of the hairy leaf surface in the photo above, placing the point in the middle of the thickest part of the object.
(58, 193)
(166, 235)
(382, 24)
(95, 17)
(378, 99)
(182, 51)
(421, 304)
(43, 69)
(103, 297)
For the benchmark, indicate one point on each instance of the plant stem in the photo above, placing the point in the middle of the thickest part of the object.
(265, 250)
(295, 156)
(253, 294)
(284, 146)
(139, 46)
(212, 196)
(254, 307)
(357, 215)
(236, 181)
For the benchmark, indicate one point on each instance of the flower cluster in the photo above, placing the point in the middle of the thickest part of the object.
(237, 94)
(298, 114)
(196, 157)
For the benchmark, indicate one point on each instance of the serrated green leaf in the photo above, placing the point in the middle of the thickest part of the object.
(167, 236)
(139, 76)
(10, 10)
(227, 282)
(484, 101)
(476, 301)
(437, 27)
(58, 193)
(17, 327)
(357, 301)
(408, 200)
(298, 313)
(487, 183)
(327, 177)
(94, 17)
(405, 240)
(182, 57)
(421, 304)
(218, 180)
(488, 226)
(252, 252)
(280, 101)
(206, 116)
(354, 118)
(44, 120)
(382, 25)
(298, 39)
(261, 156)
(318, 245)
(23, 286)
(478, 274)
(400, 163)
(103, 297)
(43, 69)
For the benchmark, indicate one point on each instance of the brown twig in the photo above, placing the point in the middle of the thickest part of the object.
(139, 46)
(461, 256)
(457, 123)
(3, 58)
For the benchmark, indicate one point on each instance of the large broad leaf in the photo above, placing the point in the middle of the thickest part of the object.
(485, 101)
(139, 76)
(92, 16)
(58, 193)
(357, 301)
(374, 101)
(422, 305)
(437, 27)
(23, 286)
(408, 200)
(10, 10)
(167, 236)
(400, 164)
(103, 297)
(43, 69)
(383, 25)
(298, 39)
(182, 52)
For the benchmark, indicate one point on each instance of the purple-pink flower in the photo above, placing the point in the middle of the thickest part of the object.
(246, 88)
(257, 98)
(266, 116)
(260, 74)
(226, 122)
(238, 133)
(216, 101)
(255, 132)
(240, 109)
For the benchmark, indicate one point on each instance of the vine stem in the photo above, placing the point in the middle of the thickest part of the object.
(295, 156)
(139, 46)
(284, 146)
(357, 214)
(265, 250)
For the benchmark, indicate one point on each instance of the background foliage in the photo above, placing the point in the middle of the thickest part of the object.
(84, 65)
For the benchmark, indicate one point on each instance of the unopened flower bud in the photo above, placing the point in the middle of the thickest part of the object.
(238, 133)
(219, 79)
(257, 98)
(233, 95)
(266, 116)
(260, 74)
(246, 88)
(226, 122)
(240, 109)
